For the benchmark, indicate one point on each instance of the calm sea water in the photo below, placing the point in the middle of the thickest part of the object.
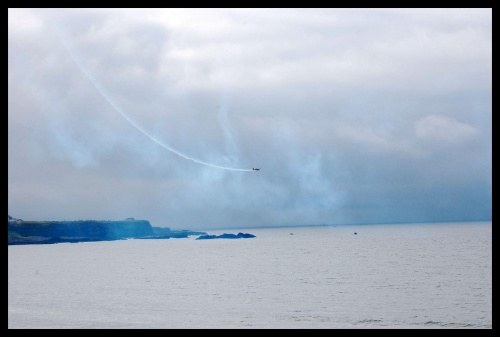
(386, 276)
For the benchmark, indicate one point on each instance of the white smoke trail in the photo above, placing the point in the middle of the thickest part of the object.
(115, 106)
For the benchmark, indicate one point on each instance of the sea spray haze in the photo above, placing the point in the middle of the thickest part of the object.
(386, 276)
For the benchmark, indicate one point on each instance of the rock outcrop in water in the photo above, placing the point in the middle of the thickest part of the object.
(226, 236)
(43, 232)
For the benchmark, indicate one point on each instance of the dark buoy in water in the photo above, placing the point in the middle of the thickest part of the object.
(355, 233)
(291, 233)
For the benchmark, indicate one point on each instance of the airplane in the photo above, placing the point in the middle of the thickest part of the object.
(256, 169)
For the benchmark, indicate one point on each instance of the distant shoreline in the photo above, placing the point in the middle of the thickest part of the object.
(22, 232)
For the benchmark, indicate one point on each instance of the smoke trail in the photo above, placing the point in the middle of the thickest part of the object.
(115, 106)
(222, 118)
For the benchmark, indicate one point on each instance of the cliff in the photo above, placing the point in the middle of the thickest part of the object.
(42, 232)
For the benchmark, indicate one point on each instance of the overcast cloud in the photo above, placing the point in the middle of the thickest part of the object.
(353, 115)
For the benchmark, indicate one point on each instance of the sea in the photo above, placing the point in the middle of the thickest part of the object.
(394, 276)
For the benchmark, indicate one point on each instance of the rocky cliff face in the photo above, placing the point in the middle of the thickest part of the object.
(71, 231)
(43, 232)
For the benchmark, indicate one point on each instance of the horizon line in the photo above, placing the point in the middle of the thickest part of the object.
(348, 224)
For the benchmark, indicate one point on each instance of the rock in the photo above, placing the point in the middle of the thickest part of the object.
(245, 235)
(226, 236)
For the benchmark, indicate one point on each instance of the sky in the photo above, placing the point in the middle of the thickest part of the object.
(353, 116)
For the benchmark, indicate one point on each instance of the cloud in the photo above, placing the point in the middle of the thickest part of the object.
(440, 128)
(353, 115)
